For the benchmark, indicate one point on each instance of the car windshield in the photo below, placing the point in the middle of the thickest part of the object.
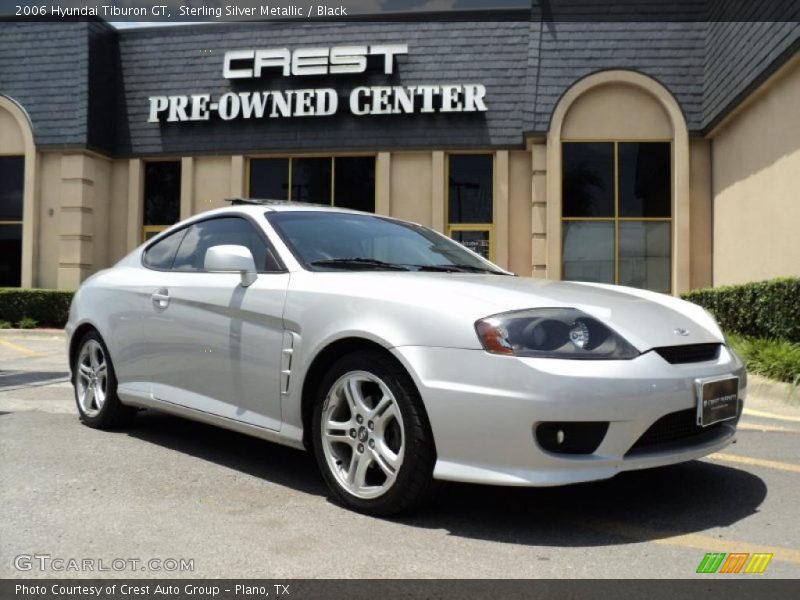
(324, 241)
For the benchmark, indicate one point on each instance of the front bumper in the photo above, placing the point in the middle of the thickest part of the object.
(484, 410)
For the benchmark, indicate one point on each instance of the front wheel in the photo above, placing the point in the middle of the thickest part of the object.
(371, 435)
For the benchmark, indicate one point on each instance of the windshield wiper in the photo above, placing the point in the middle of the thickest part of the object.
(373, 263)
(457, 269)
(358, 263)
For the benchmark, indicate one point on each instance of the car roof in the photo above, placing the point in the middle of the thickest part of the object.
(260, 207)
(263, 205)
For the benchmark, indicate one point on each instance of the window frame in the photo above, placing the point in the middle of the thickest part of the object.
(156, 229)
(332, 157)
(172, 230)
(488, 227)
(616, 219)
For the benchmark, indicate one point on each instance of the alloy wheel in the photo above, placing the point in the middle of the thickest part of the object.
(92, 378)
(362, 434)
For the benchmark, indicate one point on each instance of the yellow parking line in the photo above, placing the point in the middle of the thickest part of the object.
(756, 462)
(759, 427)
(769, 415)
(697, 541)
(18, 348)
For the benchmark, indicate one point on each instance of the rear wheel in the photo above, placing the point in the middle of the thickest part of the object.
(371, 435)
(95, 384)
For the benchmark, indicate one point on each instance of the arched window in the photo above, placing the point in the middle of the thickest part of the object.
(618, 184)
(12, 179)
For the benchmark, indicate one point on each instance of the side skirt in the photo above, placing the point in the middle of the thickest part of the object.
(143, 401)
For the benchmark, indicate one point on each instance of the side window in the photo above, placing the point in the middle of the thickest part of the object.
(226, 230)
(161, 254)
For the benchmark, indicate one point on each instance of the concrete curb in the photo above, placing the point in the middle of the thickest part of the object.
(770, 389)
(34, 333)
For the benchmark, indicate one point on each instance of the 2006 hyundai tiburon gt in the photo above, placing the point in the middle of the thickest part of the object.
(397, 355)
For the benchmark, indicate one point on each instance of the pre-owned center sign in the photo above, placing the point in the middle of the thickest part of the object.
(316, 102)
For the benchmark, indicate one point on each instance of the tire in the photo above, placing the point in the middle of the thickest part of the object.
(392, 441)
(95, 384)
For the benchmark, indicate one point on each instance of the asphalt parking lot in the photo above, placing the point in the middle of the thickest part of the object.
(241, 507)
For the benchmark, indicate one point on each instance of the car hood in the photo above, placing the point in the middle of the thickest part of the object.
(645, 319)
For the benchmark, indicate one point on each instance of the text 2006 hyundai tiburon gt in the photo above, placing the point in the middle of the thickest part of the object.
(398, 356)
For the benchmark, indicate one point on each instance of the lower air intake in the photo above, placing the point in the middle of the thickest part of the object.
(677, 427)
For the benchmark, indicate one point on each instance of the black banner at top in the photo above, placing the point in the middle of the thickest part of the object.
(199, 11)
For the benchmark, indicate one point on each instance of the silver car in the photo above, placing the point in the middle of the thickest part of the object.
(397, 356)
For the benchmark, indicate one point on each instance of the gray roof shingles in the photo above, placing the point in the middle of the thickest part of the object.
(44, 68)
(85, 84)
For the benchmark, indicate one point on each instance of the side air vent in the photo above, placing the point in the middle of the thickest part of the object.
(692, 353)
(286, 361)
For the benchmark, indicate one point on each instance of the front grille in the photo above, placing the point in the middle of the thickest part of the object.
(679, 426)
(691, 353)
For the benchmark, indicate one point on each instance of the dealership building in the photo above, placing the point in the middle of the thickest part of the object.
(662, 155)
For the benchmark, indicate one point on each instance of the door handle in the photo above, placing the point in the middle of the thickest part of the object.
(161, 298)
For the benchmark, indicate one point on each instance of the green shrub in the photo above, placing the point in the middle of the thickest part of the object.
(5, 324)
(47, 308)
(771, 358)
(27, 323)
(763, 309)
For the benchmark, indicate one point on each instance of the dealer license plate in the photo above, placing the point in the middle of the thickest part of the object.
(718, 400)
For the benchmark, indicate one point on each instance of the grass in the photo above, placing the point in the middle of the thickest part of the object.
(775, 359)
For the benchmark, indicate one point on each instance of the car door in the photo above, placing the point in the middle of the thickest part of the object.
(215, 345)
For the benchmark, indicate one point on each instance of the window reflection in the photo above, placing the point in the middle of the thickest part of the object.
(269, 178)
(346, 181)
(162, 192)
(587, 185)
(354, 182)
(645, 189)
(222, 231)
(162, 254)
(12, 174)
(311, 180)
(589, 251)
(12, 178)
(477, 241)
(644, 255)
(470, 182)
(617, 213)
(10, 255)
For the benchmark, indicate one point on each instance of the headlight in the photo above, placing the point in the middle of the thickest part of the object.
(552, 333)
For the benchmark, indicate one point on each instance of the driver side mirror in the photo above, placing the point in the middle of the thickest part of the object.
(231, 259)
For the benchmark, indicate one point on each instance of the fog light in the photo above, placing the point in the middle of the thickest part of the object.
(584, 436)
